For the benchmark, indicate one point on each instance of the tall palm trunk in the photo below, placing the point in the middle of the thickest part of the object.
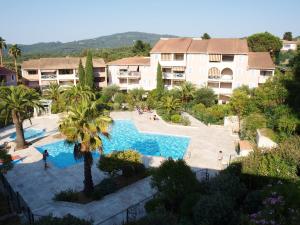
(1, 56)
(20, 139)
(88, 180)
(16, 69)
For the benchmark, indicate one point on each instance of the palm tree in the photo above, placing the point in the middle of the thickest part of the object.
(2, 47)
(169, 104)
(79, 93)
(53, 92)
(82, 127)
(18, 102)
(14, 51)
(187, 91)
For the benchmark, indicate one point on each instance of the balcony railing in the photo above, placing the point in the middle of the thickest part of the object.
(48, 76)
(174, 76)
(130, 74)
(221, 77)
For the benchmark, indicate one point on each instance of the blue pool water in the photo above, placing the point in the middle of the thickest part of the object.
(30, 134)
(124, 135)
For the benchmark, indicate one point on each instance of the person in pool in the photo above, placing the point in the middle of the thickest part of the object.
(45, 155)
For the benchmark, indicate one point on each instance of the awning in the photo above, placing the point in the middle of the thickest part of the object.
(123, 67)
(178, 68)
(133, 68)
(215, 57)
(48, 71)
(214, 71)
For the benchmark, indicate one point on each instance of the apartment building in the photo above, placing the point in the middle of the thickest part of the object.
(7, 77)
(221, 64)
(130, 73)
(39, 73)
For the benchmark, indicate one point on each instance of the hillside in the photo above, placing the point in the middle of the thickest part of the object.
(109, 41)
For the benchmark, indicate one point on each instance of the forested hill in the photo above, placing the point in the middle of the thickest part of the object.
(110, 41)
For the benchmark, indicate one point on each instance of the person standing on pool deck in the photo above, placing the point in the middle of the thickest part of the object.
(45, 155)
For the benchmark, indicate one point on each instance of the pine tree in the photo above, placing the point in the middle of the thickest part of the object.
(159, 80)
(89, 74)
(81, 73)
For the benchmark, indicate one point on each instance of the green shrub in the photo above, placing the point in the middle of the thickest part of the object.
(187, 205)
(119, 98)
(174, 180)
(205, 96)
(7, 161)
(253, 201)
(154, 204)
(213, 210)
(66, 220)
(116, 106)
(105, 187)
(68, 195)
(289, 151)
(159, 217)
(176, 118)
(250, 124)
(117, 160)
(185, 121)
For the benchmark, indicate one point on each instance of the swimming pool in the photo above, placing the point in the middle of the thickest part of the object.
(29, 133)
(124, 136)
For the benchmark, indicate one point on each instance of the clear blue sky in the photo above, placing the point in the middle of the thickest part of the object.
(31, 21)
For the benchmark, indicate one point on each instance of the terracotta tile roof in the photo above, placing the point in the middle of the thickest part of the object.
(227, 46)
(131, 61)
(192, 45)
(59, 63)
(172, 45)
(260, 60)
(4, 71)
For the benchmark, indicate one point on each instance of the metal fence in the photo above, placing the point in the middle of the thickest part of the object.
(202, 174)
(16, 202)
(130, 214)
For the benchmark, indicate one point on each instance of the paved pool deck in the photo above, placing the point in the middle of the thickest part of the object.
(38, 186)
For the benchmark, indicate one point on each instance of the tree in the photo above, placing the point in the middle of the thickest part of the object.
(206, 36)
(187, 92)
(265, 42)
(82, 127)
(109, 92)
(54, 92)
(169, 105)
(81, 73)
(2, 47)
(288, 36)
(174, 180)
(159, 80)
(14, 51)
(79, 93)
(240, 103)
(89, 73)
(206, 96)
(18, 102)
(141, 48)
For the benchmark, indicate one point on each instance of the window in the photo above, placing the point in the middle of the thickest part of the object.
(99, 69)
(225, 85)
(214, 73)
(287, 45)
(227, 58)
(123, 81)
(213, 84)
(32, 72)
(99, 79)
(215, 57)
(12, 77)
(266, 73)
(166, 69)
(167, 82)
(227, 71)
(65, 71)
(166, 57)
(178, 56)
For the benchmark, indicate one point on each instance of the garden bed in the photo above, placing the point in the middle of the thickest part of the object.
(105, 187)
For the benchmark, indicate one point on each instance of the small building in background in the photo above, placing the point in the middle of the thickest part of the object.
(289, 45)
(7, 77)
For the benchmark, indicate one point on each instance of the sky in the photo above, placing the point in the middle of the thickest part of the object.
(32, 21)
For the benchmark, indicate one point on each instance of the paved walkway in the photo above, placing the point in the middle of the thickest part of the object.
(38, 186)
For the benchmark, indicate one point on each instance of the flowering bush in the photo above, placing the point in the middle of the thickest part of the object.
(275, 211)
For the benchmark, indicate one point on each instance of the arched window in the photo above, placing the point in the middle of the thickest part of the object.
(214, 72)
(227, 71)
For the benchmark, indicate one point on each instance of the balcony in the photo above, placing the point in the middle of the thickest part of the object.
(174, 76)
(130, 75)
(220, 77)
(48, 76)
